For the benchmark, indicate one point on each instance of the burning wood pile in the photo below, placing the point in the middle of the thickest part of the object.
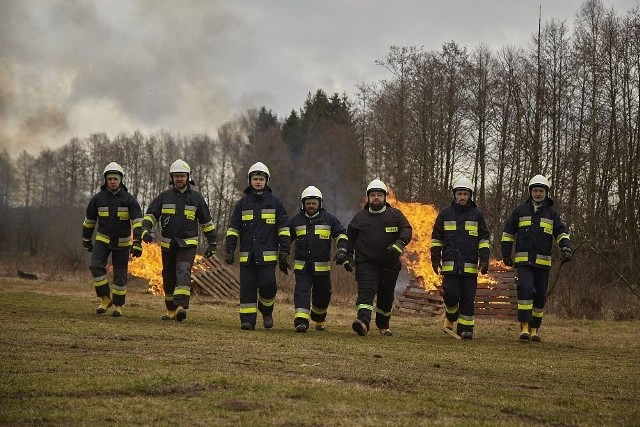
(209, 276)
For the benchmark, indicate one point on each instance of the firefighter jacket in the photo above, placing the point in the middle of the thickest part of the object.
(459, 239)
(534, 232)
(179, 214)
(371, 234)
(114, 216)
(312, 237)
(261, 223)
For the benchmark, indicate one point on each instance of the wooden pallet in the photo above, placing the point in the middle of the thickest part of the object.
(498, 299)
(211, 277)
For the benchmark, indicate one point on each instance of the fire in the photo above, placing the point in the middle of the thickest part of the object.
(149, 266)
(417, 256)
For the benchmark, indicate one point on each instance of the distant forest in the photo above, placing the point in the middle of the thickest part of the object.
(567, 105)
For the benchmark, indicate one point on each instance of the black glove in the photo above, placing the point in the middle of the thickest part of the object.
(228, 258)
(436, 266)
(146, 236)
(484, 267)
(396, 248)
(283, 265)
(210, 250)
(348, 263)
(341, 256)
(566, 255)
(88, 245)
(508, 261)
(136, 249)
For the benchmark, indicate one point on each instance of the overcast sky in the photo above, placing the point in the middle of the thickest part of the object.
(71, 68)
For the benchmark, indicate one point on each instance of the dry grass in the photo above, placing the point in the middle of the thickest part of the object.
(65, 365)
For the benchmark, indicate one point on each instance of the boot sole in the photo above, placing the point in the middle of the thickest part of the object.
(301, 329)
(535, 338)
(181, 315)
(101, 310)
(525, 337)
(359, 327)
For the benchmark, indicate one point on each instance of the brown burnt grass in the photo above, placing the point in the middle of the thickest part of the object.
(64, 365)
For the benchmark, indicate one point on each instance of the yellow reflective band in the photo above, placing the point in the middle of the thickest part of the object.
(101, 282)
(103, 238)
(323, 234)
(391, 229)
(452, 310)
(123, 213)
(466, 320)
(384, 313)
(449, 225)
(536, 312)
(341, 236)
(119, 291)
(269, 255)
(244, 256)
(169, 209)
(248, 310)
(447, 266)
(151, 219)
(302, 315)
(247, 215)
(470, 268)
(165, 244)
(483, 244)
(365, 307)
(233, 232)
(103, 211)
(506, 237)
(284, 232)
(543, 260)
(207, 227)
(168, 298)
(436, 243)
(317, 310)
(525, 304)
(191, 242)
(266, 302)
(397, 248)
(524, 221)
(562, 236)
(471, 225)
(298, 264)
(521, 257)
(322, 266)
(89, 223)
(182, 291)
(301, 230)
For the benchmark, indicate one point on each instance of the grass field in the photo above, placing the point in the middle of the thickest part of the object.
(64, 365)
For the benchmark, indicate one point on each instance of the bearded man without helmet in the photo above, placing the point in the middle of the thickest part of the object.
(459, 245)
(533, 226)
(377, 234)
(180, 211)
(112, 213)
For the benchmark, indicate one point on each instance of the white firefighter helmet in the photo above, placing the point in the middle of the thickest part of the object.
(462, 184)
(179, 166)
(113, 167)
(311, 192)
(258, 167)
(539, 181)
(377, 185)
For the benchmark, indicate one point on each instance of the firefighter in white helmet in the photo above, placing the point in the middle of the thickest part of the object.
(180, 211)
(113, 213)
(259, 225)
(459, 248)
(377, 234)
(533, 226)
(312, 230)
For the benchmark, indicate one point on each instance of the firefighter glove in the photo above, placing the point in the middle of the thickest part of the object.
(211, 249)
(484, 267)
(566, 255)
(147, 237)
(136, 249)
(396, 248)
(508, 261)
(341, 256)
(348, 263)
(88, 245)
(228, 258)
(283, 265)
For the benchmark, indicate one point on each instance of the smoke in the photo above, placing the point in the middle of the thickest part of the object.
(72, 68)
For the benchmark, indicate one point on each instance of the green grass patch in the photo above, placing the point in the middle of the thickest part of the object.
(65, 365)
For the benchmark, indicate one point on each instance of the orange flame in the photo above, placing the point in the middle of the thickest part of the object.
(417, 256)
(149, 266)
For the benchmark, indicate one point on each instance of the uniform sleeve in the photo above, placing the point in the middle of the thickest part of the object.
(352, 235)
(437, 239)
(205, 221)
(90, 220)
(561, 232)
(405, 229)
(233, 232)
(154, 211)
(338, 233)
(484, 247)
(135, 213)
(282, 224)
(509, 235)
